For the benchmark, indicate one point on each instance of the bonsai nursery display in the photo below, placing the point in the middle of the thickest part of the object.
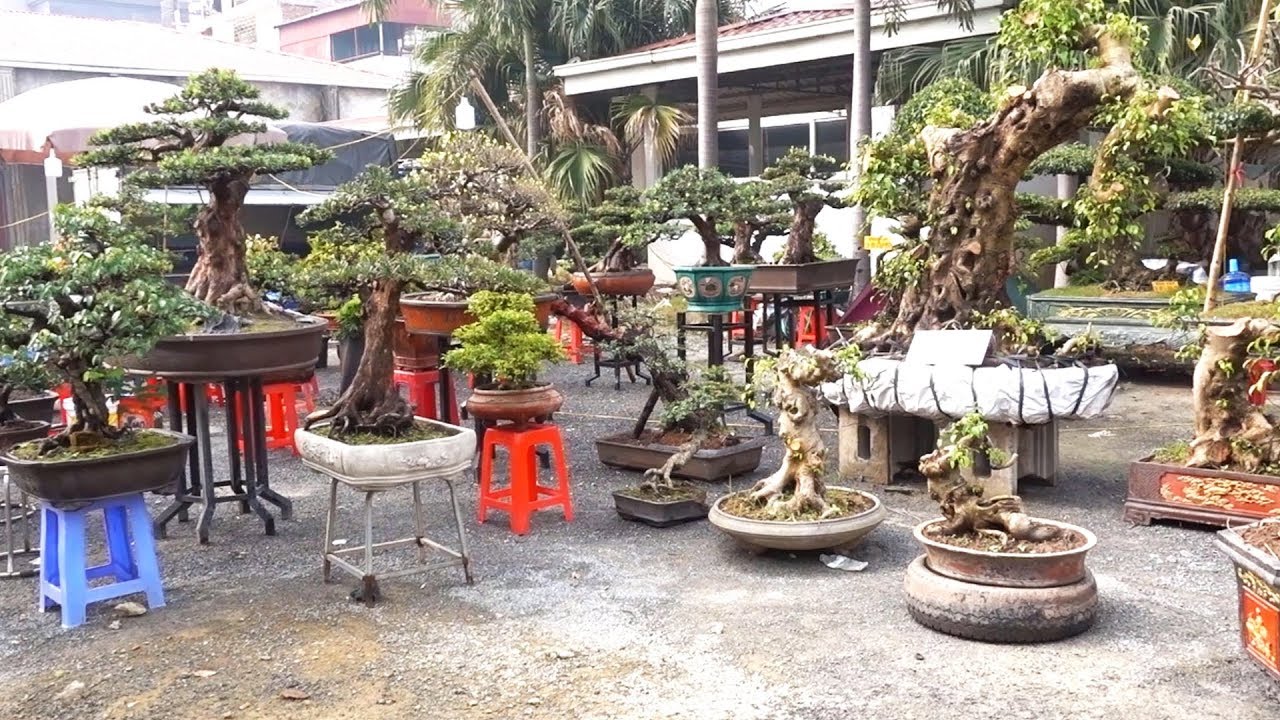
(1255, 551)
(191, 143)
(504, 349)
(97, 293)
(794, 508)
(989, 571)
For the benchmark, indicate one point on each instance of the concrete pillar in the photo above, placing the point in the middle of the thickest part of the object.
(646, 163)
(755, 136)
(1067, 186)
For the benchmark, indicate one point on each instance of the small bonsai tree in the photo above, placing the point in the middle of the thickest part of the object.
(382, 219)
(809, 181)
(964, 509)
(188, 144)
(695, 417)
(95, 295)
(19, 369)
(504, 346)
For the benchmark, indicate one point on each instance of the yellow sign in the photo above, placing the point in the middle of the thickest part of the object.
(877, 242)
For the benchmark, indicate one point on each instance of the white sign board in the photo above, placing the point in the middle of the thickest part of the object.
(949, 347)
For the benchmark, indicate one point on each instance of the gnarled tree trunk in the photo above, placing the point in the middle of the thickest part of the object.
(971, 206)
(800, 238)
(1229, 429)
(92, 427)
(221, 276)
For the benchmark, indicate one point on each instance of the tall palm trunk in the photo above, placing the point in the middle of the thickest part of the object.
(531, 100)
(860, 123)
(706, 28)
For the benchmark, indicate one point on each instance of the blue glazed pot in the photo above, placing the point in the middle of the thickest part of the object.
(714, 289)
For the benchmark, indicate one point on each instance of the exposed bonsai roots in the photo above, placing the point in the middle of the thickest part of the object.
(661, 477)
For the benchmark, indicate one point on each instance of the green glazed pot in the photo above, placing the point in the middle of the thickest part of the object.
(714, 289)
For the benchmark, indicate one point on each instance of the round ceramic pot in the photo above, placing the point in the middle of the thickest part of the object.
(1026, 570)
(714, 289)
(843, 533)
(22, 431)
(378, 467)
(519, 407)
(422, 314)
(214, 356)
(625, 282)
(88, 479)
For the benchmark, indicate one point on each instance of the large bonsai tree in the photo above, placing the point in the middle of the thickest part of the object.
(379, 220)
(705, 198)
(617, 228)
(190, 143)
(760, 213)
(810, 183)
(74, 305)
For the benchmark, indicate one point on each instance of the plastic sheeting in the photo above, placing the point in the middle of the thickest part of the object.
(1004, 393)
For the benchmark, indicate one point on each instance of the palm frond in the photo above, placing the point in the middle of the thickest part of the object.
(641, 116)
(580, 171)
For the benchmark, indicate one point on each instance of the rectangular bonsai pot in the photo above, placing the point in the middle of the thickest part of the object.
(1258, 586)
(660, 514)
(795, 279)
(1213, 497)
(707, 465)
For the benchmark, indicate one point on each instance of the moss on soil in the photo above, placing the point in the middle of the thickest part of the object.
(1248, 309)
(1175, 453)
(132, 441)
(1097, 291)
(1067, 540)
(419, 433)
(845, 502)
(676, 493)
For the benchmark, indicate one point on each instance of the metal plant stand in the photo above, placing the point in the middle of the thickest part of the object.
(715, 328)
(617, 363)
(10, 514)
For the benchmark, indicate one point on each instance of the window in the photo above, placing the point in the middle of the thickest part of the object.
(356, 43)
(833, 139)
(778, 140)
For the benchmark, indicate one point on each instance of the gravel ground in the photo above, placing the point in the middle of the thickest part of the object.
(600, 618)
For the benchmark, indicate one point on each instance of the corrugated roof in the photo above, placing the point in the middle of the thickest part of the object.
(122, 47)
(771, 22)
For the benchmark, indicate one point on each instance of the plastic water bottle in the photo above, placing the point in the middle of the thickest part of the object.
(1234, 280)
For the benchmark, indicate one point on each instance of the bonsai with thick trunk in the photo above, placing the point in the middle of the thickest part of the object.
(192, 141)
(1232, 432)
(393, 215)
(761, 213)
(96, 293)
(617, 229)
(707, 199)
(809, 182)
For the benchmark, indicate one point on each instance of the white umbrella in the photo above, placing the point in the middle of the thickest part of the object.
(63, 116)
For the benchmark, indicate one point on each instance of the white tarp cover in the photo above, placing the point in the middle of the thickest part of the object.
(1024, 396)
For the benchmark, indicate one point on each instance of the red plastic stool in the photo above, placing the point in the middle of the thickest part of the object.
(419, 386)
(213, 392)
(753, 304)
(281, 411)
(810, 327)
(137, 412)
(524, 495)
(574, 344)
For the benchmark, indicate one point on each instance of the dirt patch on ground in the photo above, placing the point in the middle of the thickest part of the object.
(1067, 540)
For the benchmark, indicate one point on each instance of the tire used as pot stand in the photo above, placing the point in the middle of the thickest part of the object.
(842, 534)
(1257, 572)
(1004, 597)
(641, 506)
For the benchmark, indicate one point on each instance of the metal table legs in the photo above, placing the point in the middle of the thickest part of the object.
(11, 513)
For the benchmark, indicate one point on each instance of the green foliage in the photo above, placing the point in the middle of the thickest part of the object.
(1068, 159)
(350, 317)
(1210, 199)
(823, 249)
(641, 116)
(505, 344)
(806, 178)
(1053, 33)
(1250, 119)
(949, 102)
(703, 197)
(901, 268)
(621, 216)
(963, 439)
(1046, 210)
(703, 401)
(270, 268)
(1014, 332)
(580, 170)
(466, 275)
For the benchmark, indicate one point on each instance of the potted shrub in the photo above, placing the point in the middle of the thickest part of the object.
(98, 292)
(1255, 551)
(810, 184)
(616, 229)
(504, 349)
(370, 436)
(191, 142)
(21, 374)
(989, 570)
(441, 308)
(794, 508)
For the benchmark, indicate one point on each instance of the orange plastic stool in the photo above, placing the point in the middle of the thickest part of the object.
(212, 391)
(419, 387)
(810, 327)
(574, 344)
(753, 304)
(281, 405)
(137, 412)
(524, 495)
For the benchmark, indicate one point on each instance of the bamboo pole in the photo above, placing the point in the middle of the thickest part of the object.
(1235, 169)
(478, 88)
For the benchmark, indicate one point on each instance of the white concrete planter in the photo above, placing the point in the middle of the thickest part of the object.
(374, 467)
(837, 533)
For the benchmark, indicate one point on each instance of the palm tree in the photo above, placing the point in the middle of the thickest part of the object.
(707, 30)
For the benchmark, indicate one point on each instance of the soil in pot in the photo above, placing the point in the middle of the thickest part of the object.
(418, 433)
(662, 494)
(1066, 540)
(845, 503)
(677, 438)
(661, 506)
(1264, 536)
(128, 443)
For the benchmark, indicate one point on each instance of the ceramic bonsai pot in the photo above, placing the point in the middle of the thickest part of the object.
(42, 407)
(716, 289)
(624, 451)
(660, 513)
(380, 467)
(88, 479)
(414, 351)
(1026, 570)
(1212, 497)
(836, 533)
(621, 282)
(519, 407)
(21, 431)
(803, 278)
(422, 314)
(1258, 587)
(215, 356)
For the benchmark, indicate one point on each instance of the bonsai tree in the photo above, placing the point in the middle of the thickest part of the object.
(692, 418)
(457, 277)
(189, 143)
(809, 181)
(705, 198)
(617, 228)
(382, 220)
(19, 370)
(761, 213)
(97, 293)
(504, 346)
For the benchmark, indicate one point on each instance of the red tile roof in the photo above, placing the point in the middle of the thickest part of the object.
(747, 27)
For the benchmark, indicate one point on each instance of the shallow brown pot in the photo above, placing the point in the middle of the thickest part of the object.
(440, 317)
(330, 318)
(793, 279)
(88, 479)
(415, 351)
(624, 451)
(41, 407)
(1023, 570)
(661, 513)
(515, 406)
(22, 431)
(621, 282)
(217, 356)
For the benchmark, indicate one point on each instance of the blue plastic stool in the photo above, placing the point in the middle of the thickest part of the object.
(64, 575)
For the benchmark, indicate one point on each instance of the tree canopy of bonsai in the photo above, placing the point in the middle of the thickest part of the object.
(96, 294)
(191, 142)
(618, 227)
(393, 215)
(505, 346)
(458, 277)
(19, 369)
(810, 182)
(760, 214)
(705, 198)
(798, 486)
(964, 509)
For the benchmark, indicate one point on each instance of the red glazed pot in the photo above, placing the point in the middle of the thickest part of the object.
(625, 282)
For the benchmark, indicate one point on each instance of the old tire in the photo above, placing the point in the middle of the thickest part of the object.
(999, 614)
